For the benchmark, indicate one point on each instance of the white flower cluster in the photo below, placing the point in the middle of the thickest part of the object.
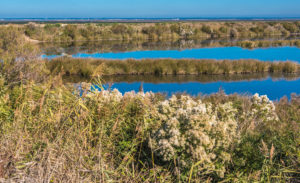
(141, 95)
(192, 131)
(105, 97)
(262, 110)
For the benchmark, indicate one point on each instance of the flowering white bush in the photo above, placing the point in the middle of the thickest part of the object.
(106, 96)
(112, 98)
(191, 131)
(262, 110)
(187, 131)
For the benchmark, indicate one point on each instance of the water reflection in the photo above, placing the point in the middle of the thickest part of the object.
(219, 53)
(115, 46)
(181, 78)
(275, 86)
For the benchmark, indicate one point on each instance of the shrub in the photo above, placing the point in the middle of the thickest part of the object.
(257, 30)
(51, 26)
(175, 28)
(292, 28)
(191, 132)
(31, 29)
(234, 33)
(206, 29)
(70, 31)
(223, 30)
(261, 111)
(119, 29)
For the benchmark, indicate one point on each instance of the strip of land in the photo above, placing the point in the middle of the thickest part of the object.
(61, 32)
(95, 67)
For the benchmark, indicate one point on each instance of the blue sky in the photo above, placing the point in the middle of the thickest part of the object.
(144, 8)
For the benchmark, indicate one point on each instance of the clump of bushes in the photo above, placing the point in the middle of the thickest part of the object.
(190, 132)
(206, 29)
(199, 138)
(121, 29)
(291, 27)
(31, 29)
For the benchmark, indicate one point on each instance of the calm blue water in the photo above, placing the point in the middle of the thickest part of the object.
(274, 89)
(264, 54)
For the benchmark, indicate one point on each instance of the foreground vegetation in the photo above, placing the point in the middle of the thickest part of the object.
(51, 132)
(96, 67)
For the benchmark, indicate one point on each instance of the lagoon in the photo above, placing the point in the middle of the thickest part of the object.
(271, 48)
(220, 53)
(274, 87)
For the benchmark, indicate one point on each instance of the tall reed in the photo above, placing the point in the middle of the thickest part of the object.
(51, 133)
(94, 67)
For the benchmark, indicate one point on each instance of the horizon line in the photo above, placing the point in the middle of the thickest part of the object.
(166, 17)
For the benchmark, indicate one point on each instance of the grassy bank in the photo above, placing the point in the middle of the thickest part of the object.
(155, 31)
(94, 67)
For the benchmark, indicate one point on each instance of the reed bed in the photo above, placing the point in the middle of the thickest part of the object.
(156, 31)
(95, 67)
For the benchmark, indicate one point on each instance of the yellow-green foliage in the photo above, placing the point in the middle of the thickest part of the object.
(94, 67)
(155, 31)
(50, 132)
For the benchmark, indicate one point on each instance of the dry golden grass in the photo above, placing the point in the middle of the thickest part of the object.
(96, 67)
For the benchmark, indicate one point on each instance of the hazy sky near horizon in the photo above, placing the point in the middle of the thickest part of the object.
(151, 8)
